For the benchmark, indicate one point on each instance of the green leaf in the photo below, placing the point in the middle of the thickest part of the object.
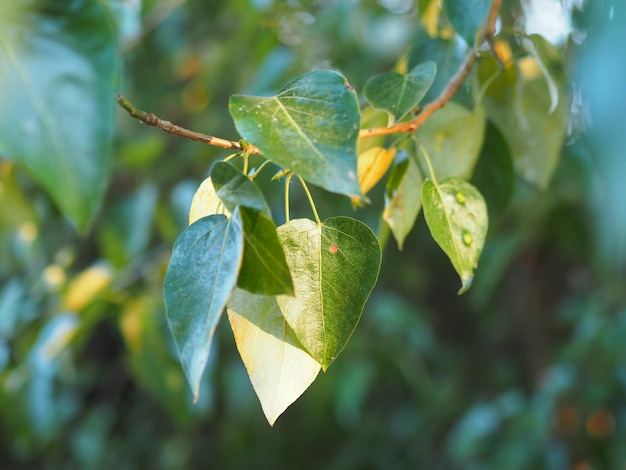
(310, 126)
(494, 175)
(519, 102)
(334, 268)
(235, 189)
(453, 137)
(467, 17)
(448, 54)
(403, 197)
(200, 277)
(224, 190)
(58, 72)
(264, 269)
(399, 94)
(456, 215)
(279, 367)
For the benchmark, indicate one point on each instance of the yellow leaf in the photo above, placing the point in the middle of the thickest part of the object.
(372, 165)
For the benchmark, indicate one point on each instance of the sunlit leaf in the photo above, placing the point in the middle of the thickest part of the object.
(58, 70)
(279, 367)
(334, 268)
(264, 269)
(399, 94)
(372, 166)
(456, 215)
(403, 197)
(200, 277)
(467, 17)
(310, 126)
(453, 137)
(206, 202)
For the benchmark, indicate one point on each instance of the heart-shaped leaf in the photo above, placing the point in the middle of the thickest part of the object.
(200, 277)
(279, 367)
(334, 267)
(58, 71)
(310, 126)
(399, 94)
(264, 269)
(467, 17)
(456, 215)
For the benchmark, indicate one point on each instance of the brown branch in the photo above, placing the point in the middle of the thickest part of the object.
(152, 120)
(448, 92)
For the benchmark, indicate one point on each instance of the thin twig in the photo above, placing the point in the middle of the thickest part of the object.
(153, 120)
(448, 92)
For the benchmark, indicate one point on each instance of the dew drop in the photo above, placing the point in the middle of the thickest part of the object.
(467, 238)
(460, 198)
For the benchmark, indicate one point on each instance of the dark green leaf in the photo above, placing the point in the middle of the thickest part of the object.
(453, 137)
(235, 189)
(264, 269)
(334, 268)
(199, 279)
(260, 330)
(467, 17)
(310, 126)
(456, 215)
(399, 94)
(494, 176)
(403, 197)
(58, 71)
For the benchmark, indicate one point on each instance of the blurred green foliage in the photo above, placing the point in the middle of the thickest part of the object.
(527, 370)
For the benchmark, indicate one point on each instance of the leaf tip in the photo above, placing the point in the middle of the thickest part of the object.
(466, 280)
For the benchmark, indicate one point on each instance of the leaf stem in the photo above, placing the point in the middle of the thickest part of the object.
(256, 172)
(308, 195)
(429, 164)
(246, 161)
(153, 120)
(448, 92)
(287, 184)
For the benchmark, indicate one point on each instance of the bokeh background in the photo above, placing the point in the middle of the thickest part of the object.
(527, 370)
